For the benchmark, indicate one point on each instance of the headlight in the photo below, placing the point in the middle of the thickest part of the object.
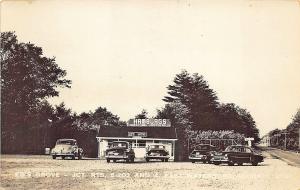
(226, 156)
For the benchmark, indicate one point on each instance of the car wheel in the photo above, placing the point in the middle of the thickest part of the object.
(132, 160)
(204, 161)
(193, 161)
(79, 157)
(63, 157)
(254, 163)
(162, 160)
(166, 160)
(107, 160)
(230, 164)
(73, 157)
(240, 164)
(217, 163)
(53, 157)
(147, 159)
(114, 160)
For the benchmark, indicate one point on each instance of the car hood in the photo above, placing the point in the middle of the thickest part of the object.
(62, 147)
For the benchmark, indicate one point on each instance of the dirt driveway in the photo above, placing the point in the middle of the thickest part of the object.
(41, 172)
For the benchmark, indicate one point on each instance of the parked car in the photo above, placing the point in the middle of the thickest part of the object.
(158, 152)
(237, 154)
(202, 153)
(120, 150)
(66, 148)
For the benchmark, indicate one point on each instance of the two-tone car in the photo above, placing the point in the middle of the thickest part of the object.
(66, 148)
(237, 154)
(202, 153)
(157, 152)
(120, 150)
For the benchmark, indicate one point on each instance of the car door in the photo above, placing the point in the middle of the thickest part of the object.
(241, 155)
(247, 153)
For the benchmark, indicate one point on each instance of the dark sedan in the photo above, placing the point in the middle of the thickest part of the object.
(202, 153)
(237, 154)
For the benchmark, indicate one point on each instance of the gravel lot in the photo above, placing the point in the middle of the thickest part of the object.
(41, 172)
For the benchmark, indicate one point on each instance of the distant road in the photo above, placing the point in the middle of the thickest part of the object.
(292, 158)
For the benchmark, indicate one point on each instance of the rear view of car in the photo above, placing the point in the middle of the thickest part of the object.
(157, 152)
(202, 153)
(120, 150)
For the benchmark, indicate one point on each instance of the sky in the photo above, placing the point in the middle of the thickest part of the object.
(123, 54)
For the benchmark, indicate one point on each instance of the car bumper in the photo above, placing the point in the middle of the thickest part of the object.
(201, 157)
(219, 160)
(117, 157)
(63, 154)
(157, 157)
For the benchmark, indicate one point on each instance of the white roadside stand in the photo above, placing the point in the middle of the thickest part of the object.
(249, 140)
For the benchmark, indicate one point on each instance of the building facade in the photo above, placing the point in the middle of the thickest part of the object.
(139, 137)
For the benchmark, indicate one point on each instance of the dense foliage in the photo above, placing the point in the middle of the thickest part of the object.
(289, 137)
(202, 112)
(29, 123)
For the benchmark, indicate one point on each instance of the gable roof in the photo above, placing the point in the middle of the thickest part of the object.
(152, 132)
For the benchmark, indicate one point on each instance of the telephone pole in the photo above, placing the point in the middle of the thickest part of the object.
(285, 133)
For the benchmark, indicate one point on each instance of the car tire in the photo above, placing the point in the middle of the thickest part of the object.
(240, 164)
(230, 163)
(63, 157)
(132, 160)
(193, 161)
(166, 160)
(79, 157)
(114, 160)
(254, 163)
(54, 157)
(73, 157)
(147, 159)
(204, 161)
(107, 160)
(217, 163)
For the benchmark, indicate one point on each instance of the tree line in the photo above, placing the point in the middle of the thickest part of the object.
(29, 123)
(287, 138)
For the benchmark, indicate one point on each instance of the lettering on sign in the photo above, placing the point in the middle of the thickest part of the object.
(149, 123)
(137, 134)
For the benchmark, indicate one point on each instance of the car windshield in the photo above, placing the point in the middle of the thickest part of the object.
(196, 152)
(67, 142)
(119, 144)
(157, 146)
(203, 147)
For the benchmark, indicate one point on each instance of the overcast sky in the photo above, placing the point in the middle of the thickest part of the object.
(123, 54)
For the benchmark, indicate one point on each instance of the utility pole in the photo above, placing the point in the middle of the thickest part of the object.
(285, 133)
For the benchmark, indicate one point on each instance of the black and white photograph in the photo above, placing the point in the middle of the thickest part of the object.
(150, 94)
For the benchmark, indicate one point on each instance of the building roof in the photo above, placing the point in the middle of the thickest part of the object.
(152, 132)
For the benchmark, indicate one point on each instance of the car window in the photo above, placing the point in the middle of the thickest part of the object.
(119, 144)
(157, 146)
(67, 142)
(248, 150)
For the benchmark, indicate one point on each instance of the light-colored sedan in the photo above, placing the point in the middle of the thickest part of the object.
(66, 148)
